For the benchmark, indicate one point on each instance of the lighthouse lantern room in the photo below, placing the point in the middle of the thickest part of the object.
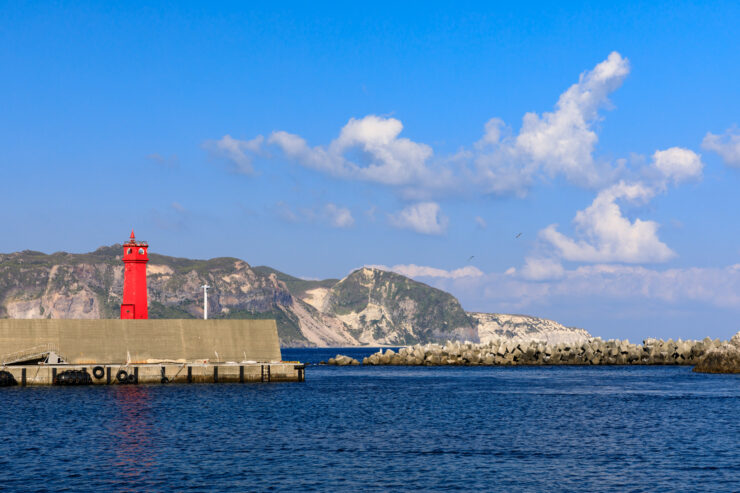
(135, 257)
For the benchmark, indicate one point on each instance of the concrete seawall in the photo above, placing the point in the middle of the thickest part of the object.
(139, 341)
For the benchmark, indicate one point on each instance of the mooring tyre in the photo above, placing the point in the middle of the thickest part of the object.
(131, 378)
(7, 379)
(122, 376)
(83, 378)
(73, 377)
(165, 380)
(98, 372)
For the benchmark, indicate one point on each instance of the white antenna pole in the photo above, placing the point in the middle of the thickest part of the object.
(205, 301)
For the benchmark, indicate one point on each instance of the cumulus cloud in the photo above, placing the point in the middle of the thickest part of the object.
(541, 269)
(563, 141)
(678, 165)
(371, 148)
(559, 142)
(416, 271)
(726, 145)
(608, 236)
(423, 217)
(380, 155)
(238, 152)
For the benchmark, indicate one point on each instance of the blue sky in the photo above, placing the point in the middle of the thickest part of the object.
(317, 138)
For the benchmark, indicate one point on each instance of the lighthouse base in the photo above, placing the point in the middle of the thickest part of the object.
(128, 311)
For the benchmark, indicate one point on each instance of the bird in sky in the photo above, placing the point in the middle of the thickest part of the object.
(471, 258)
(518, 235)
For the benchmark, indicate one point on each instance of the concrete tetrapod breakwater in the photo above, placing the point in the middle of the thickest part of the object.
(722, 359)
(507, 353)
(341, 360)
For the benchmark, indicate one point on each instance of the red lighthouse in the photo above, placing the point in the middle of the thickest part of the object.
(134, 279)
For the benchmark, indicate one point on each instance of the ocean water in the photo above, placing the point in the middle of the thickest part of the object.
(383, 428)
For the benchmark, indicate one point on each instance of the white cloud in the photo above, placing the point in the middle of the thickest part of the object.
(380, 154)
(614, 300)
(678, 165)
(608, 236)
(295, 147)
(414, 271)
(339, 217)
(554, 143)
(423, 217)
(726, 145)
(598, 284)
(562, 142)
(392, 160)
(541, 269)
(493, 131)
(550, 144)
(236, 151)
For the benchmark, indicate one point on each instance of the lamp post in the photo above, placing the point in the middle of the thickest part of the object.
(205, 301)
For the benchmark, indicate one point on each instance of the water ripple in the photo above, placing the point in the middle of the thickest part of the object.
(378, 429)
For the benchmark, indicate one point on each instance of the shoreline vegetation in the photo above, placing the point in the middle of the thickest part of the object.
(707, 355)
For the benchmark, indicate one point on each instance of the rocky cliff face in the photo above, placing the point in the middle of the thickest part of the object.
(61, 285)
(382, 307)
(494, 326)
(368, 307)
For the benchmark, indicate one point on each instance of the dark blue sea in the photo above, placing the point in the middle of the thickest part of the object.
(382, 428)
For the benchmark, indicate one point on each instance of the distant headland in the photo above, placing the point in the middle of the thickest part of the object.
(368, 307)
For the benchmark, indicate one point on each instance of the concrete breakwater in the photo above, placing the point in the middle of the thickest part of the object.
(722, 359)
(507, 353)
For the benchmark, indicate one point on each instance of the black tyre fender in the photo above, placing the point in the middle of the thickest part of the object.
(131, 378)
(165, 380)
(7, 379)
(98, 372)
(122, 376)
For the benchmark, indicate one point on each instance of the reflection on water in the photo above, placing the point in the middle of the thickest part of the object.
(134, 450)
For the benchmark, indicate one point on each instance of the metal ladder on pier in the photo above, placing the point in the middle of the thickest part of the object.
(49, 353)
